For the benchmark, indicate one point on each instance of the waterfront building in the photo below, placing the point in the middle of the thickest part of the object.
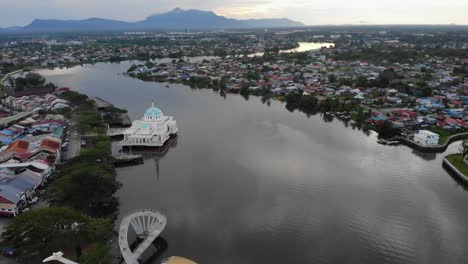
(153, 130)
(426, 137)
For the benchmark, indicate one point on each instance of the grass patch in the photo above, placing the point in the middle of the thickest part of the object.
(443, 134)
(457, 161)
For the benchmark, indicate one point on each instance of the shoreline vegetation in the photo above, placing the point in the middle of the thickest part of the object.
(83, 205)
(297, 78)
(343, 108)
(458, 162)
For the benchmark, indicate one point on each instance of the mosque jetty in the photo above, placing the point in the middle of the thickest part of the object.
(153, 130)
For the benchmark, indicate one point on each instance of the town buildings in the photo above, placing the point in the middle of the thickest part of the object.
(31, 148)
(425, 137)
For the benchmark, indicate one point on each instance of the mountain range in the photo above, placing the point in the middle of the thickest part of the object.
(172, 20)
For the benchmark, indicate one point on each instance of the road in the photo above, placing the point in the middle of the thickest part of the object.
(8, 74)
(74, 144)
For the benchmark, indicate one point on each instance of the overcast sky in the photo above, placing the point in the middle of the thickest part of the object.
(311, 12)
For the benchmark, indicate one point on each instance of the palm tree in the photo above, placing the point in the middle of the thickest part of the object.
(464, 148)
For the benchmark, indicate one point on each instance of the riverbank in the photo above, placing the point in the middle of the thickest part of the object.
(434, 148)
(8, 75)
(255, 167)
(91, 172)
(457, 166)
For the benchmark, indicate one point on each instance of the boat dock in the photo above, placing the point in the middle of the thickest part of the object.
(115, 131)
(101, 103)
(127, 159)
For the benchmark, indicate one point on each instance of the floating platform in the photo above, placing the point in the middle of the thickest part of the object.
(152, 151)
(127, 159)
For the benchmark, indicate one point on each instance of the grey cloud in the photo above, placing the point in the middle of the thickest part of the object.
(21, 12)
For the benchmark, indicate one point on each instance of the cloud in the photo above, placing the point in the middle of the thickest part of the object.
(21, 12)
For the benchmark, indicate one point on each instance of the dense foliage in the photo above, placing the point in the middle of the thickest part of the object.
(31, 80)
(38, 233)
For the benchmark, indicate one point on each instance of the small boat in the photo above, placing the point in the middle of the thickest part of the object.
(382, 141)
(388, 142)
(393, 142)
(127, 159)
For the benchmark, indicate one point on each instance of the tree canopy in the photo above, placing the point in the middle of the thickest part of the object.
(31, 80)
(88, 188)
(36, 234)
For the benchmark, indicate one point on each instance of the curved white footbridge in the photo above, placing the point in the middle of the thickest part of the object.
(147, 224)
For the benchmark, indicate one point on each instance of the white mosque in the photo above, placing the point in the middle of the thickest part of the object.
(153, 130)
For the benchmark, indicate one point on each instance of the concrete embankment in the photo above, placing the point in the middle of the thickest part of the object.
(8, 75)
(101, 103)
(123, 118)
(460, 176)
(435, 148)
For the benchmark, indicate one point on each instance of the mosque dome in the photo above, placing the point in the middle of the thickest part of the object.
(153, 112)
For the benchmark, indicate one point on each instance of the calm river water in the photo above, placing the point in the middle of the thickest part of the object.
(252, 183)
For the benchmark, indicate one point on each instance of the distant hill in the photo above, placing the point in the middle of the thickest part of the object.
(172, 20)
(197, 19)
(71, 25)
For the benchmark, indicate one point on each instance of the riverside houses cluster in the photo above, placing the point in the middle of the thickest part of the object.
(429, 94)
(44, 52)
(31, 147)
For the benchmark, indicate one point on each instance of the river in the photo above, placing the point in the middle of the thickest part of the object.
(250, 182)
(303, 46)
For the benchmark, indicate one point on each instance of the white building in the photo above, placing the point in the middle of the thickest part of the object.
(425, 137)
(153, 130)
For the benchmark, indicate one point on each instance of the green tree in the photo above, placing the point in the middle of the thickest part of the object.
(292, 100)
(98, 254)
(149, 64)
(464, 148)
(87, 188)
(386, 129)
(308, 104)
(361, 81)
(132, 68)
(426, 91)
(30, 80)
(220, 52)
(244, 91)
(38, 233)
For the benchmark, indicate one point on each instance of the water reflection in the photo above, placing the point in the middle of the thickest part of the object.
(425, 155)
(248, 183)
(459, 182)
(303, 46)
(153, 154)
(306, 46)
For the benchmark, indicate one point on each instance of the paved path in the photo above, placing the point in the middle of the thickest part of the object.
(74, 144)
(8, 74)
